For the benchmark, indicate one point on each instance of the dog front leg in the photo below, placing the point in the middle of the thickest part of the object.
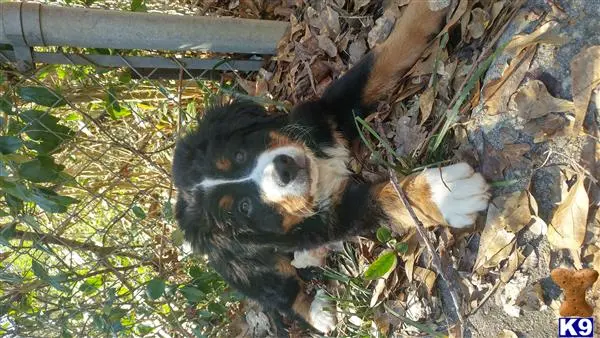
(451, 195)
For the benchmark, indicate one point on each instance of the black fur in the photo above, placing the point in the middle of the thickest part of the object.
(234, 208)
(246, 250)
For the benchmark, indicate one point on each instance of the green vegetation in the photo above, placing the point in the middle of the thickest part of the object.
(88, 244)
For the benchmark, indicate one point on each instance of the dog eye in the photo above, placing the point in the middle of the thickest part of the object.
(240, 156)
(245, 206)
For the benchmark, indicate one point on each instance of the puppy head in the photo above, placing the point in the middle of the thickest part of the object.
(243, 171)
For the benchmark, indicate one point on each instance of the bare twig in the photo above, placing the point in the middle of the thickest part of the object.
(436, 261)
(73, 245)
(486, 297)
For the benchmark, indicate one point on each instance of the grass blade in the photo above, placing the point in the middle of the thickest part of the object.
(452, 114)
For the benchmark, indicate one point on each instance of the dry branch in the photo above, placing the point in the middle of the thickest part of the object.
(435, 258)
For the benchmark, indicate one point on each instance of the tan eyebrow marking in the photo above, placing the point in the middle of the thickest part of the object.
(226, 202)
(278, 140)
(223, 164)
(284, 267)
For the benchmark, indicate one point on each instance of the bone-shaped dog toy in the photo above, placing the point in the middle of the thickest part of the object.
(575, 283)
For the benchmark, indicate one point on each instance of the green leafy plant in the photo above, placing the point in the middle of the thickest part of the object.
(87, 239)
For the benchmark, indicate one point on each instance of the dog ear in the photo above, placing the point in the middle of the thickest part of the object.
(188, 159)
(192, 219)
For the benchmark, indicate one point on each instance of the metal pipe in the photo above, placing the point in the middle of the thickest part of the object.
(33, 24)
(150, 62)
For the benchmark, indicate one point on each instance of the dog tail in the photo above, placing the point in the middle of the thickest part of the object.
(385, 65)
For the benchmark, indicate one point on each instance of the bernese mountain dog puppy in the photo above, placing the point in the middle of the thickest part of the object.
(255, 188)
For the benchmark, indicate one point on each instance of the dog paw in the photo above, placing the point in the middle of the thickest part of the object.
(315, 257)
(322, 318)
(458, 192)
(307, 258)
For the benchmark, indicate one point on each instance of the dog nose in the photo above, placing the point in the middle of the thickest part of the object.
(286, 169)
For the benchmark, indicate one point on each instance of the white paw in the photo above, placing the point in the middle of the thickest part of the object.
(306, 258)
(322, 319)
(459, 193)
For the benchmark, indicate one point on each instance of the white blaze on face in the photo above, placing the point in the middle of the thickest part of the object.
(264, 175)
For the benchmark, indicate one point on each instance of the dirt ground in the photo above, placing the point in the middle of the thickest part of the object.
(552, 63)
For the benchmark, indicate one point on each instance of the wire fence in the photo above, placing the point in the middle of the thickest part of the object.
(88, 243)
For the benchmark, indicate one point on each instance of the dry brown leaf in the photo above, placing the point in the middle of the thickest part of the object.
(248, 9)
(590, 153)
(320, 70)
(392, 283)
(531, 298)
(343, 40)
(283, 11)
(426, 103)
(596, 266)
(497, 92)
(425, 276)
(492, 163)
(461, 9)
(333, 22)
(495, 162)
(259, 322)
(546, 127)
(323, 85)
(357, 49)
(476, 95)
(425, 64)
(410, 256)
(532, 101)
(515, 260)
(295, 26)
(438, 4)
(313, 19)
(568, 225)
(479, 21)
(464, 26)
(585, 72)
(358, 4)
(327, 45)
(538, 226)
(409, 135)
(532, 261)
(408, 90)
(248, 86)
(381, 30)
(461, 72)
(497, 8)
(496, 242)
(455, 331)
(507, 215)
(381, 321)
(547, 33)
(516, 210)
(513, 153)
(379, 287)
(262, 87)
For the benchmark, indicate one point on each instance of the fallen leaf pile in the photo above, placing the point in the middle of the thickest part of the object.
(249, 9)
(388, 284)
